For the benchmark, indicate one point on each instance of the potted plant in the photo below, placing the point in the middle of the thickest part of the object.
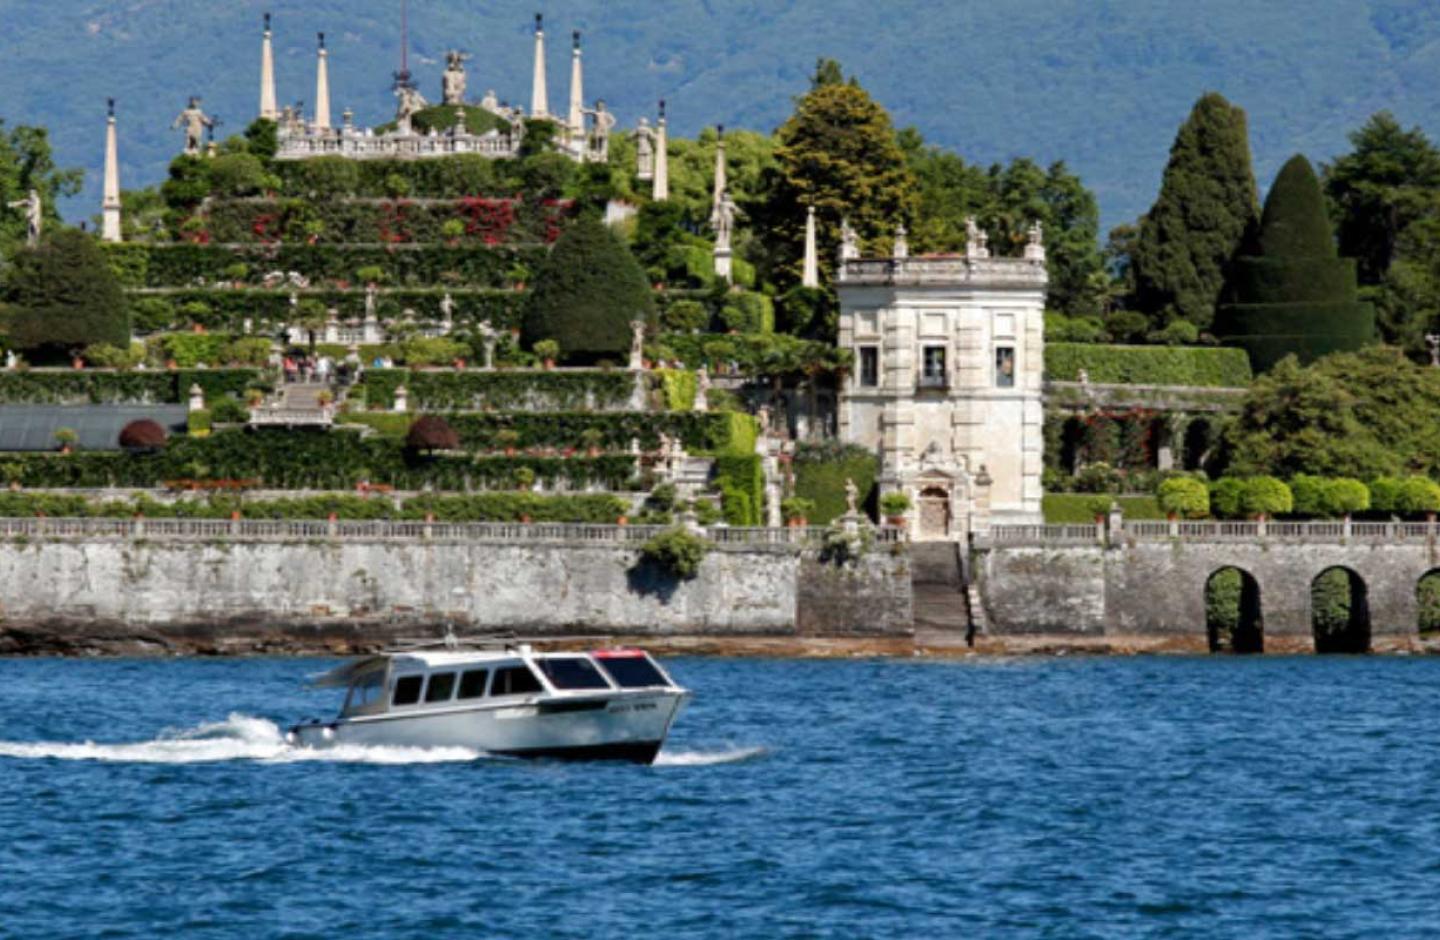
(507, 439)
(548, 350)
(524, 478)
(592, 438)
(254, 397)
(67, 439)
(797, 510)
(325, 398)
(894, 506)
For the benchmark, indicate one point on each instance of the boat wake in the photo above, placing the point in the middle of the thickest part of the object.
(237, 738)
(732, 755)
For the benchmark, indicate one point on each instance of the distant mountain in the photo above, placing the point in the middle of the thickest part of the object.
(1101, 84)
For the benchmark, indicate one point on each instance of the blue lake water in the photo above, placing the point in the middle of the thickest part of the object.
(1262, 797)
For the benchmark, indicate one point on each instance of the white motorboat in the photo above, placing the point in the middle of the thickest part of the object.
(608, 704)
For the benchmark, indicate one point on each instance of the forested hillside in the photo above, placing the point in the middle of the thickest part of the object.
(1100, 84)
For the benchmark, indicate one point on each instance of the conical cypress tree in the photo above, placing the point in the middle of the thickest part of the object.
(1291, 292)
(587, 293)
(1206, 205)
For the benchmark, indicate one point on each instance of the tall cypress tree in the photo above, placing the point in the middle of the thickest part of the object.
(1206, 205)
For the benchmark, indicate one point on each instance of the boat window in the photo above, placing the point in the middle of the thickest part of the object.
(472, 683)
(407, 690)
(632, 672)
(515, 680)
(572, 673)
(442, 684)
(366, 691)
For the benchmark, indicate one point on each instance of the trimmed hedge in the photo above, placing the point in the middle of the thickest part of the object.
(228, 309)
(714, 432)
(1148, 365)
(183, 265)
(741, 480)
(1079, 508)
(98, 387)
(474, 390)
(820, 474)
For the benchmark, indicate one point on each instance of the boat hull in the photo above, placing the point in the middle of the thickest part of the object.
(615, 726)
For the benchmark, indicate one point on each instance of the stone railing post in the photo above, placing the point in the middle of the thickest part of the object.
(1115, 524)
(1346, 529)
(1261, 528)
(1174, 529)
(137, 527)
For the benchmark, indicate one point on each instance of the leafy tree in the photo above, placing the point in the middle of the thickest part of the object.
(837, 152)
(587, 293)
(62, 296)
(1206, 205)
(262, 139)
(26, 163)
(1390, 180)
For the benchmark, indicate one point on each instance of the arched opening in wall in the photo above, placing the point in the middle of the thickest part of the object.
(1199, 440)
(934, 512)
(1234, 622)
(1072, 441)
(1427, 599)
(1339, 612)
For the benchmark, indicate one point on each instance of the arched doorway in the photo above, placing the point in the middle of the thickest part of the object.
(1427, 599)
(934, 512)
(1234, 621)
(1339, 612)
(1198, 441)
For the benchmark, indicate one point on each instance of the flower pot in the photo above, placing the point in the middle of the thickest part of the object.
(509, 452)
(797, 522)
(524, 518)
(170, 364)
(77, 363)
(549, 363)
(459, 363)
(897, 521)
(623, 520)
(593, 452)
(234, 515)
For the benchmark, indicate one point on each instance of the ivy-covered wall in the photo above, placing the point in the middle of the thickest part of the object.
(1147, 365)
(560, 390)
(95, 386)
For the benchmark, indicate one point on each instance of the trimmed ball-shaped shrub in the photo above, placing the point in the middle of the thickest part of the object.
(430, 433)
(587, 293)
(1266, 496)
(1227, 498)
(1184, 496)
(142, 434)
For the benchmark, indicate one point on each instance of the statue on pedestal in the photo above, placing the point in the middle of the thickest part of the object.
(603, 124)
(447, 312)
(702, 389)
(195, 122)
(975, 240)
(644, 150)
(452, 82)
(849, 241)
(637, 344)
(852, 495)
(723, 220)
(371, 295)
(1035, 243)
(34, 216)
(488, 335)
(1433, 341)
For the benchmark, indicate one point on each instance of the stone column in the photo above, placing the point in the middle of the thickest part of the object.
(110, 203)
(322, 87)
(660, 185)
(811, 275)
(402, 396)
(539, 100)
(267, 76)
(721, 183)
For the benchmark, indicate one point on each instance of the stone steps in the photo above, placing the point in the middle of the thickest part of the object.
(937, 584)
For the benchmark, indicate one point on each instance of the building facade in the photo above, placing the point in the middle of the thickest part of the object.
(946, 384)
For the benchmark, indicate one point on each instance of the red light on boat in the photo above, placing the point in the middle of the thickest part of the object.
(618, 654)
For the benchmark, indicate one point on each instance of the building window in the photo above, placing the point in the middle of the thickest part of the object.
(933, 365)
(869, 366)
(1005, 367)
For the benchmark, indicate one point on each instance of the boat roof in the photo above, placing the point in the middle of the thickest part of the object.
(346, 673)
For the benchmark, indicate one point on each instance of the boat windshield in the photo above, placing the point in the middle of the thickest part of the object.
(572, 673)
(365, 692)
(631, 670)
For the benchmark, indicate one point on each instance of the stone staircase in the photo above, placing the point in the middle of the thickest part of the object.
(297, 404)
(943, 601)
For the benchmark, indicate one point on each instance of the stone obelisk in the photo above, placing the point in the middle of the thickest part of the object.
(539, 100)
(721, 183)
(660, 184)
(810, 277)
(322, 87)
(576, 118)
(110, 203)
(267, 76)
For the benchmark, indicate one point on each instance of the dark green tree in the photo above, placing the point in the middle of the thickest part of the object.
(587, 293)
(837, 152)
(1206, 205)
(261, 139)
(1390, 180)
(62, 296)
(26, 163)
(1290, 292)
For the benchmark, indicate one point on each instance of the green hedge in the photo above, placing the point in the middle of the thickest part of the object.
(483, 222)
(480, 507)
(1270, 332)
(1292, 280)
(712, 432)
(309, 460)
(1147, 365)
(1075, 508)
(469, 174)
(91, 386)
(183, 265)
(820, 474)
(569, 389)
(741, 481)
(228, 309)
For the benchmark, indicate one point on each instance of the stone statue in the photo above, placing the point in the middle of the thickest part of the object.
(12, 361)
(723, 219)
(34, 216)
(1433, 341)
(852, 494)
(644, 150)
(488, 335)
(637, 344)
(1082, 376)
(408, 102)
(195, 122)
(447, 310)
(702, 389)
(452, 82)
(763, 417)
(849, 241)
(371, 296)
(1035, 243)
(603, 122)
(490, 102)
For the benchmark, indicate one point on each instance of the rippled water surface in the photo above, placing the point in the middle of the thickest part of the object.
(1055, 798)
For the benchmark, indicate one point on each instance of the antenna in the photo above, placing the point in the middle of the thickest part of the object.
(402, 77)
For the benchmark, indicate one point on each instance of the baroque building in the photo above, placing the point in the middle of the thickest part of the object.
(946, 384)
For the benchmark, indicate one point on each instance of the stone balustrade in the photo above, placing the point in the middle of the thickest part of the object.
(946, 271)
(1131, 531)
(269, 530)
(353, 146)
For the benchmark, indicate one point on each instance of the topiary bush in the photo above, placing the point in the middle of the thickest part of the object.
(1148, 365)
(1184, 496)
(1266, 496)
(587, 293)
(431, 433)
(142, 435)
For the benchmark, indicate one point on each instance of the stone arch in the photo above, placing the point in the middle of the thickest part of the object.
(1198, 441)
(1234, 618)
(1340, 611)
(935, 514)
(1072, 443)
(1427, 601)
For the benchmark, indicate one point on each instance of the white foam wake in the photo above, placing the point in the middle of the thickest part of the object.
(237, 738)
(706, 758)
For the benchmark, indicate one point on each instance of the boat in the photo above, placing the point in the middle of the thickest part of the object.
(505, 700)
